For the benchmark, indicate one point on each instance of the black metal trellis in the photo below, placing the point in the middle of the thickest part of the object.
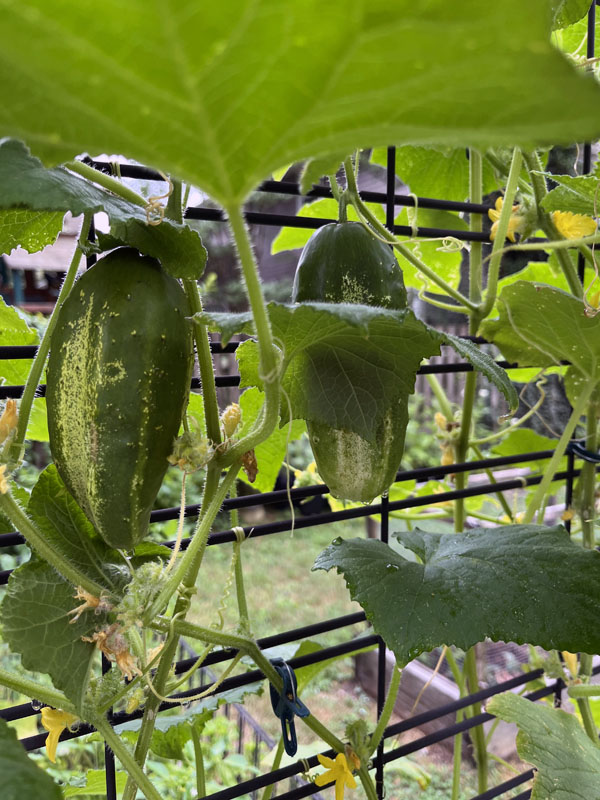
(390, 199)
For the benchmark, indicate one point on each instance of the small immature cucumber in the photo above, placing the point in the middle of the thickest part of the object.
(117, 383)
(343, 263)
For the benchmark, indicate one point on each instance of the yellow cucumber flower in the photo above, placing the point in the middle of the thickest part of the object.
(337, 771)
(573, 226)
(515, 222)
(3, 481)
(8, 420)
(55, 721)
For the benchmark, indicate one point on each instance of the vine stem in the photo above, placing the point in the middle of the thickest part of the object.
(104, 180)
(14, 451)
(588, 482)
(540, 190)
(269, 363)
(496, 257)
(174, 211)
(199, 759)
(536, 501)
(126, 757)
(197, 545)
(276, 764)
(36, 691)
(457, 755)
(367, 783)
(386, 711)
(42, 546)
(405, 251)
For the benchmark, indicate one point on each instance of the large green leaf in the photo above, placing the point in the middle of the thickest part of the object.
(367, 356)
(540, 326)
(567, 761)
(435, 171)
(19, 775)
(31, 230)
(271, 453)
(221, 94)
(577, 194)
(64, 525)
(36, 623)
(25, 182)
(502, 584)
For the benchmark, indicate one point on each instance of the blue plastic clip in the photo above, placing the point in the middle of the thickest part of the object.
(287, 705)
(579, 451)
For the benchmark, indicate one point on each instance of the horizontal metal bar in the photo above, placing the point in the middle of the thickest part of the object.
(290, 188)
(18, 351)
(222, 537)
(501, 788)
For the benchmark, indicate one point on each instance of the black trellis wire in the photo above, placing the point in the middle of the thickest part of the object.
(390, 199)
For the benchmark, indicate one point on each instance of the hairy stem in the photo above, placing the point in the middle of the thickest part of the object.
(496, 258)
(104, 180)
(536, 501)
(386, 711)
(14, 451)
(36, 691)
(127, 758)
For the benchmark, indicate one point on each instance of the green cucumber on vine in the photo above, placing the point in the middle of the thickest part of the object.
(344, 262)
(116, 390)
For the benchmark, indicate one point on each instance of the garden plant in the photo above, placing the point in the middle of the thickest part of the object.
(221, 96)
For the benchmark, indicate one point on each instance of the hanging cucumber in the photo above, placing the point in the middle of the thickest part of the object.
(344, 263)
(117, 383)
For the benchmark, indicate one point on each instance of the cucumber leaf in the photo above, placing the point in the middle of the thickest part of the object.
(500, 583)
(316, 168)
(485, 364)
(226, 93)
(567, 12)
(95, 784)
(567, 761)
(36, 624)
(14, 331)
(540, 326)
(578, 194)
(19, 775)
(65, 526)
(368, 356)
(441, 172)
(26, 182)
(270, 454)
(31, 230)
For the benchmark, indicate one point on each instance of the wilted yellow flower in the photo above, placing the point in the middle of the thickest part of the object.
(515, 223)
(55, 721)
(570, 660)
(230, 419)
(337, 771)
(567, 515)
(114, 645)
(573, 226)
(8, 420)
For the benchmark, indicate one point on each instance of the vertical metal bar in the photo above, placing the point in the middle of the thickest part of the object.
(587, 148)
(569, 487)
(109, 759)
(385, 519)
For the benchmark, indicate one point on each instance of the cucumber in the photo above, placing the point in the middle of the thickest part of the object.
(344, 263)
(118, 380)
